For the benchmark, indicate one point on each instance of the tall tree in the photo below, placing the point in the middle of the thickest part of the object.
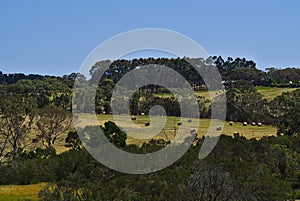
(17, 114)
(52, 122)
(286, 111)
(244, 103)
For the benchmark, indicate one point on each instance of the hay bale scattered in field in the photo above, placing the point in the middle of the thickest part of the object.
(219, 128)
(35, 140)
(259, 124)
(189, 120)
(236, 134)
(193, 131)
(143, 114)
(280, 134)
(103, 112)
(147, 124)
(133, 118)
(231, 123)
(245, 123)
(179, 123)
(253, 123)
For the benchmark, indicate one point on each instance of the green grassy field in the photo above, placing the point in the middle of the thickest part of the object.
(20, 192)
(268, 92)
(271, 92)
(205, 94)
(168, 130)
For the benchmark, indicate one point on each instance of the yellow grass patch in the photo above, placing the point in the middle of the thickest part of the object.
(272, 92)
(171, 128)
(20, 192)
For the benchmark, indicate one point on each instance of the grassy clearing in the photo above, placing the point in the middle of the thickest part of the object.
(204, 94)
(268, 92)
(207, 95)
(168, 130)
(59, 144)
(271, 92)
(20, 192)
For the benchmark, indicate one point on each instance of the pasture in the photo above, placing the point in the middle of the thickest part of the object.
(271, 92)
(20, 192)
(171, 127)
(268, 92)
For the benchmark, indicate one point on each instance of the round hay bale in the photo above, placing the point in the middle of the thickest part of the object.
(259, 124)
(143, 114)
(179, 123)
(133, 118)
(103, 112)
(189, 120)
(35, 140)
(219, 128)
(147, 124)
(236, 134)
(245, 123)
(253, 123)
(231, 123)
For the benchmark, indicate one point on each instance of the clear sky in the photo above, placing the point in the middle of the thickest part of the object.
(54, 37)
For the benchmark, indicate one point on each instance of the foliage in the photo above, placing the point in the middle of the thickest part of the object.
(17, 114)
(244, 103)
(51, 123)
(73, 141)
(111, 131)
(286, 111)
(237, 169)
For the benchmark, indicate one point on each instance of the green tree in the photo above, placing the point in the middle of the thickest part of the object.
(73, 141)
(114, 134)
(286, 110)
(244, 103)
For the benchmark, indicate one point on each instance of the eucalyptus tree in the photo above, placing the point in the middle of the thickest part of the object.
(17, 114)
(52, 122)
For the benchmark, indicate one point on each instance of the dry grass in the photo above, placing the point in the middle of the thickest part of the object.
(203, 93)
(271, 92)
(268, 92)
(20, 192)
(168, 130)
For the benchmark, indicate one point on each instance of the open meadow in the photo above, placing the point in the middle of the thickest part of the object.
(171, 126)
(20, 192)
(271, 92)
(268, 92)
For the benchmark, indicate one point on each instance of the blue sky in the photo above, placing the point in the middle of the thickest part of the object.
(54, 37)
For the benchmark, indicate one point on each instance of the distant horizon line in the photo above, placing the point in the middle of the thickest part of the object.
(156, 57)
